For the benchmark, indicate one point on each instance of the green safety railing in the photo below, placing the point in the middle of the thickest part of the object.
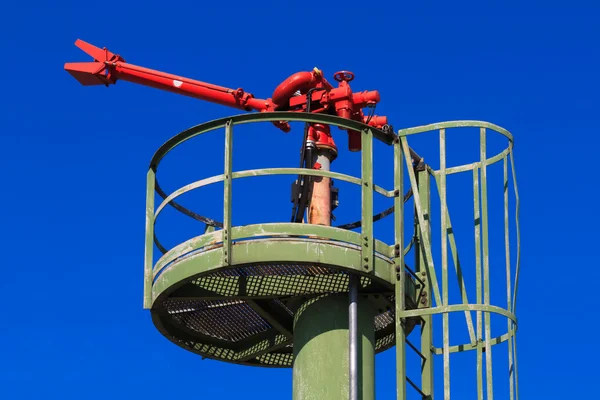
(227, 234)
(424, 272)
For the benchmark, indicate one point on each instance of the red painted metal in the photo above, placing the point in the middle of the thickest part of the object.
(108, 67)
(300, 81)
(321, 135)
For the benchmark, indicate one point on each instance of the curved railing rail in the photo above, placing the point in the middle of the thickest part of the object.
(433, 297)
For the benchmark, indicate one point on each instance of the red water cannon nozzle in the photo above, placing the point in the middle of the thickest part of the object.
(97, 72)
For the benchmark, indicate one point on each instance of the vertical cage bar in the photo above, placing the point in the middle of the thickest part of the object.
(444, 235)
(477, 220)
(421, 262)
(486, 266)
(518, 228)
(518, 266)
(400, 274)
(227, 193)
(367, 252)
(514, 338)
(508, 281)
(149, 245)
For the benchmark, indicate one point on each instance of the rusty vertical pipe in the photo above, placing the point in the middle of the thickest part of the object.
(319, 212)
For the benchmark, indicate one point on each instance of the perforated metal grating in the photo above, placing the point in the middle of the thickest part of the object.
(228, 320)
(245, 314)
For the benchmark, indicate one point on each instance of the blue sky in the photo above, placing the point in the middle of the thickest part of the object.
(74, 163)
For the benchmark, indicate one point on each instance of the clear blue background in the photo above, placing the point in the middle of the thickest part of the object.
(74, 160)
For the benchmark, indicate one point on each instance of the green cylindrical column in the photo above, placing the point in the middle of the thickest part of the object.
(321, 363)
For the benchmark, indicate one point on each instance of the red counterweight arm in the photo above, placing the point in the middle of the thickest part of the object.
(107, 68)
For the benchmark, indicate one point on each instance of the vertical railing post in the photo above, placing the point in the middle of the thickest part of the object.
(517, 267)
(367, 255)
(367, 252)
(478, 280)
(486, 266)
(400, 275)
(227, 193)
(149, 245)
(444, 245)
(508, 277)
(423, 183)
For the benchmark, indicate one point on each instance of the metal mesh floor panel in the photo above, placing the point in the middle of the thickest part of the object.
(245, 314)
(227, 320)
(276, 280)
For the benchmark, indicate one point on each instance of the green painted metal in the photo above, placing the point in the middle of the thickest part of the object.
(227, 193)
(422, 209)
(367, 199)
(150, 180)
(418, 295)
(274, 230)
(264, 172)
(508, 281)
(486, 266)
(518, 228)
(483, 308)
(477, 223)
(399, 273)
(263, 117)
(460, 307)
(255, 251)
(444, 246)
(321, 350)
(518, 268)
(455, 124)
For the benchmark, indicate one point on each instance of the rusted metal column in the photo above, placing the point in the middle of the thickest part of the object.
(319, 211)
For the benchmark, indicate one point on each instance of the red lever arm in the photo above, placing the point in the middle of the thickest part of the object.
(107, 68)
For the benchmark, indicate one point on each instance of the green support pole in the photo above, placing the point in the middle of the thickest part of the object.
(321, 350)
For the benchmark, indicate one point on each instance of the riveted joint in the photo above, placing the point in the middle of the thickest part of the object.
(397, 250)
